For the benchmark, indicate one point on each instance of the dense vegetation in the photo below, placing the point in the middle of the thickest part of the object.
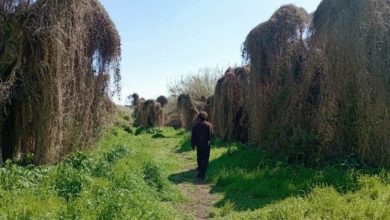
(319, 81)
(127, 174)
(313, 100)
(120, 177)
(55, 86)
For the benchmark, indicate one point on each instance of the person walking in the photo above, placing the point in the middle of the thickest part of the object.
(202, 133)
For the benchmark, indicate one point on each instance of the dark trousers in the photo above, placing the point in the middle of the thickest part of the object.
(203, 156)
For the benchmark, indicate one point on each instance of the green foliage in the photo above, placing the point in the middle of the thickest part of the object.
(112, 181)
(101, 168)
(153, 175)
(78, 161)
(156, 132)
(370, 202)
(121, 181)
(123, 119)
(226, 209)
(117, 152)
(140, 130)
(96, 167)
(259, 184)
(185, 143)
(128, 129)
(13, 176)
(68, 182)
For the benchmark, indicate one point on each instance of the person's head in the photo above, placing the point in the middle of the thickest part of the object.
(202, 116)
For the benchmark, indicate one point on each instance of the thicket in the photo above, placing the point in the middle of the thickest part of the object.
(319, 84)
(172, 116)
(149, 114)
(187, 110)
(230, 103)
(57, 60)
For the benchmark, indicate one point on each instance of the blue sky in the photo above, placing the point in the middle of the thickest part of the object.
(163, 39)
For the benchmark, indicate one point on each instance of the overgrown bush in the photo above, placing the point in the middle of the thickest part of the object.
(59, 64)
(325, 75)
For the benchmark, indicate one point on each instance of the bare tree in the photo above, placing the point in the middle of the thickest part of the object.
(197, 85)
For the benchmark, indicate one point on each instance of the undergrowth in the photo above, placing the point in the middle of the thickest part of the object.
(259, 184)
(121, 177)
(126, 176)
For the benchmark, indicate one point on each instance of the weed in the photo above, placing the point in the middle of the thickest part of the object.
(140, 130)
(153, 175)
(79, 161)
(68, 182)
(13, 176)
(128, 129)
(116, 153)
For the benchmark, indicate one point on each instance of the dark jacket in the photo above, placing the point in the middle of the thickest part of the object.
(202, 133)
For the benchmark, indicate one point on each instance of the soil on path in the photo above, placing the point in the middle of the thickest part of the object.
(196, 190)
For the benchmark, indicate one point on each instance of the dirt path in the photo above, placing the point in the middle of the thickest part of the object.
(197, 191)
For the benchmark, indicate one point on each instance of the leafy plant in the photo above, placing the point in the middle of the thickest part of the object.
(153, 175)
(116, 153)
(68, 182)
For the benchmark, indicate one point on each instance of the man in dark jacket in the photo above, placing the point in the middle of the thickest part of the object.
(202, 133)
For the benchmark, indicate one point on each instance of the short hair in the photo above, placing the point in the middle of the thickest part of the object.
(202, 116)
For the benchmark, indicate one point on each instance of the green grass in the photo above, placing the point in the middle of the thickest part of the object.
(130, 174)
(123, 176)
(255, 184)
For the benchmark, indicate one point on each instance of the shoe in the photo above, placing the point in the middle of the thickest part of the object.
(201, 176)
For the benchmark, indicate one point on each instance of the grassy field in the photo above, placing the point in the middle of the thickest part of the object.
(127, 174)
(122, 175)
(258, 185)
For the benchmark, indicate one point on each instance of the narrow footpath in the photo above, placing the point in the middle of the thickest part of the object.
(197, 191)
